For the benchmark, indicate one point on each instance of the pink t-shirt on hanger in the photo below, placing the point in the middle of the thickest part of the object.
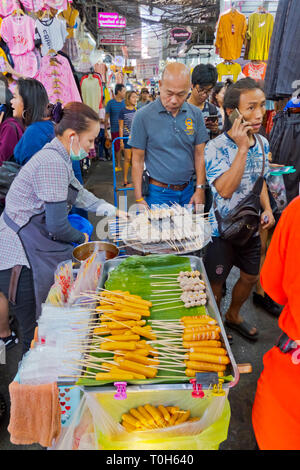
(57, 4)
(18, 33)
(8, 6)
(33, 5)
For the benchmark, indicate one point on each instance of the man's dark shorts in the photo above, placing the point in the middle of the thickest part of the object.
(221, 256)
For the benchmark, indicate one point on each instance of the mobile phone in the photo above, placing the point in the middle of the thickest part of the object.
(212, 118)
(235, 115)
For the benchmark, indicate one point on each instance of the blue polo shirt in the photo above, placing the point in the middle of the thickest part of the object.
(169, 142)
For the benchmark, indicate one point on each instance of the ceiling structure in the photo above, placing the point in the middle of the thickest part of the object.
(158, 17)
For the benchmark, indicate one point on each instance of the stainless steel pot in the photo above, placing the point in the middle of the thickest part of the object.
(84, 251)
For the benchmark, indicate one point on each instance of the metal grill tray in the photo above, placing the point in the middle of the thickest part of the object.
(212, 310)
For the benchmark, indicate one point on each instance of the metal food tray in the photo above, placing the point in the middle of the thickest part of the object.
(183, 247)
(212, 310)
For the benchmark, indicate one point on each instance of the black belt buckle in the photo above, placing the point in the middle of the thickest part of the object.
(284, 343)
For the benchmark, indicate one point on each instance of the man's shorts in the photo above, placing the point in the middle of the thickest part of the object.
(221, 256)
(115, 135)
(126, 144)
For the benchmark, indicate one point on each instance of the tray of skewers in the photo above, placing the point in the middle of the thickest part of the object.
(162, 229)
(157, 324)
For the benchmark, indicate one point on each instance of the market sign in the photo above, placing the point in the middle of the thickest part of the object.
(147, 68)
(180, 35)
(108, 37)
(111, 20)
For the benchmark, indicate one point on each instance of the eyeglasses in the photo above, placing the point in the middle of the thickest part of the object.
(204, 91)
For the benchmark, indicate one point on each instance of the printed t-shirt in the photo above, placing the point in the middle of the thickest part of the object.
(226, 71)
(219, 156)
(126, 115)
(53, 34)
(255, 71)
(113, 108)
(18, 33)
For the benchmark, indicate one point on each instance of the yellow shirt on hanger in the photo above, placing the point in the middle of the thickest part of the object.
(260, 29)
(70, 15)
(231, 32)
(231, 71)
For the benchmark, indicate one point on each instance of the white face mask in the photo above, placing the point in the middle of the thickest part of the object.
(81, 154)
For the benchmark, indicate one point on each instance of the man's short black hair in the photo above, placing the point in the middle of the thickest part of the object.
(204, 74)
(119, 87)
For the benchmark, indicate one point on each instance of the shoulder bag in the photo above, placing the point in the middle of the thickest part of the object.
(243, 221)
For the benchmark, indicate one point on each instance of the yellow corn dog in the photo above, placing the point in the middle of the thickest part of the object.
(113, 345)
(214, 358)
(206, 366)
(131, 366)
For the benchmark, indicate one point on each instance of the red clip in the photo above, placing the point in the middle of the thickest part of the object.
(121, 390)
(197, 389)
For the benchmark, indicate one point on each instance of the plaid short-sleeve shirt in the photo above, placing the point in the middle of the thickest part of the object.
(45, 178)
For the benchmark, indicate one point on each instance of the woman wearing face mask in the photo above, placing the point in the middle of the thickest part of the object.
(35, 235)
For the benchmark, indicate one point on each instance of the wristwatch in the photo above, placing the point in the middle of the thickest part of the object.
(200, 186)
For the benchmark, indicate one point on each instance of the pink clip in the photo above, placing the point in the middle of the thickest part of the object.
(121, 390)
(197, 389)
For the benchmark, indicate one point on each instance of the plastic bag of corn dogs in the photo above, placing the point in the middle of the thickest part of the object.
(204, 422)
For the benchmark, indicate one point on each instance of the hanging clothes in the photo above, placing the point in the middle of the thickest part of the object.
(228, 70)
(33, 5)
(7, 7)
(70, 15)
(231, 32)
(101, 69)
(255, 71)
(285, 148)
(56, 4)
(92, 91)
(54, 74)
(18, 32)
(284, 55)
(85, 49)
(259, 32)
(53, 33)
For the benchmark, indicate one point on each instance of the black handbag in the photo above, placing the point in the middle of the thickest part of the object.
(8, 172)
(243, 221)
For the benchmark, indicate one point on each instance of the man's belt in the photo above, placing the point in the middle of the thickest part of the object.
(174, 187)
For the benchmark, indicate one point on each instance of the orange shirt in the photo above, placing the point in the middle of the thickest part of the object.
(231, 34)
(280, 275)
(255, 71)
(276, 409)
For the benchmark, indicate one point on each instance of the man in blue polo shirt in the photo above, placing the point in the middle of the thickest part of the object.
(168, 136)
